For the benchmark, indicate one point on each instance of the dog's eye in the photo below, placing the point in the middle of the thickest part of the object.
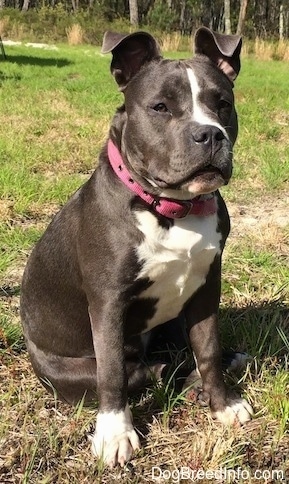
(224, 104)
(161, 108)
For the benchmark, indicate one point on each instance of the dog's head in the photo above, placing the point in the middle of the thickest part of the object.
(179, 122)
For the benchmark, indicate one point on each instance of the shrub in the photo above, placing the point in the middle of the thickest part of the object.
(74, 34)
(162, 18)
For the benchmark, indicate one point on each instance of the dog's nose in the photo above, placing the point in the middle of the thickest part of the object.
(208, 135)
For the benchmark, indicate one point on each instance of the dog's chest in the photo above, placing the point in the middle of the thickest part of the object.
(176, 261)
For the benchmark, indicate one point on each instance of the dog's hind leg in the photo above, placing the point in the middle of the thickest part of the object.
(71, 379)
(74, 379)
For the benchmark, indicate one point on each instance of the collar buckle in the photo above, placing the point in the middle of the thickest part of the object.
(187, 206)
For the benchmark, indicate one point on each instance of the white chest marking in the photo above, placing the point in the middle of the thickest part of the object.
(199, 115)
(176, 260)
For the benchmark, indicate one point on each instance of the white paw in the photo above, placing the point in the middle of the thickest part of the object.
(239, 362)
(114, 439)
(238, 410)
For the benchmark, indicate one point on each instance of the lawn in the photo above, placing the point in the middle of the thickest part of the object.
(55, 111)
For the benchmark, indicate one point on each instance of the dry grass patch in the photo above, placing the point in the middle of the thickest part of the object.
(57, 104)
(266, 50)
(42, 440)
(4, 22)
(6, 209)
(271, 237)
(40, 213)
(75, 34)
(263, 50)
(282, 50)
(171, 42)
(263, 219)
(20, 123)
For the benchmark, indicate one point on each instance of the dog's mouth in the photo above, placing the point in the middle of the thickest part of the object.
(206, 175)
(204, 181)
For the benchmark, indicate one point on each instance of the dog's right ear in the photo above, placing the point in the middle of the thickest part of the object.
(129, 53)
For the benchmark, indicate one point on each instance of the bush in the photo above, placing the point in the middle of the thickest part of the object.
(52, 24)
(161, 17)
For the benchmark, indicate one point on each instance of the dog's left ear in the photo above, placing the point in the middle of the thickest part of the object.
(129, 53)
(223, 50)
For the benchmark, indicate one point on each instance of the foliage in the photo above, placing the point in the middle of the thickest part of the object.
(51, 24)
(262, 18)
(162, 17)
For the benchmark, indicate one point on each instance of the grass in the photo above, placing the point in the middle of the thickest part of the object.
(55, 111)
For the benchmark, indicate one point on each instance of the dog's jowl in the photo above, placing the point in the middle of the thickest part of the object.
(141, 242)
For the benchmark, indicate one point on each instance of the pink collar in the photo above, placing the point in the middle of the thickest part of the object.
(164, 206)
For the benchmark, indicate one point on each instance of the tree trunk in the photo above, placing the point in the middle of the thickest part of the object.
(2, 4)
(227, 16)
(25, 5)
(133, 12)
(182, 16)
(206, 15)
(75, 5)
(281, 22)
(242, 15)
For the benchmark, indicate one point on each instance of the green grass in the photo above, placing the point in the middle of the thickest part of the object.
(49, 140)
(261, 153)
(55, 108)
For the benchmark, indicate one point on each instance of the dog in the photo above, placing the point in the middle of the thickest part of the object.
(140, 243)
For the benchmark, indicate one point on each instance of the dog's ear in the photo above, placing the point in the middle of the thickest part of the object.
(223, 50)
(129, 53)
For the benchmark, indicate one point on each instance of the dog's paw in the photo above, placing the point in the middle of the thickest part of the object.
(114, 439)
(235, 362)
(237, 410)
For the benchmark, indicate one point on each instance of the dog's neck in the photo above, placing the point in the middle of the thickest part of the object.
(167, 207)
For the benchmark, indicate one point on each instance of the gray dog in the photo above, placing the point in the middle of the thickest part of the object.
(141, 241)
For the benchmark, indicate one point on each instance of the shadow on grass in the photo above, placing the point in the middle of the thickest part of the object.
(260, 330)
(38, 61)
(5, 77)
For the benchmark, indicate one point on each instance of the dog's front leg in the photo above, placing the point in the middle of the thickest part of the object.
(114, 438)
(202, 320)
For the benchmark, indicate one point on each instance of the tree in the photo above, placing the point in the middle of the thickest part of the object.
(281, 22)
(25, 5)
(182, 15)
(227, 16)
(242, 15)
(133, 12)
